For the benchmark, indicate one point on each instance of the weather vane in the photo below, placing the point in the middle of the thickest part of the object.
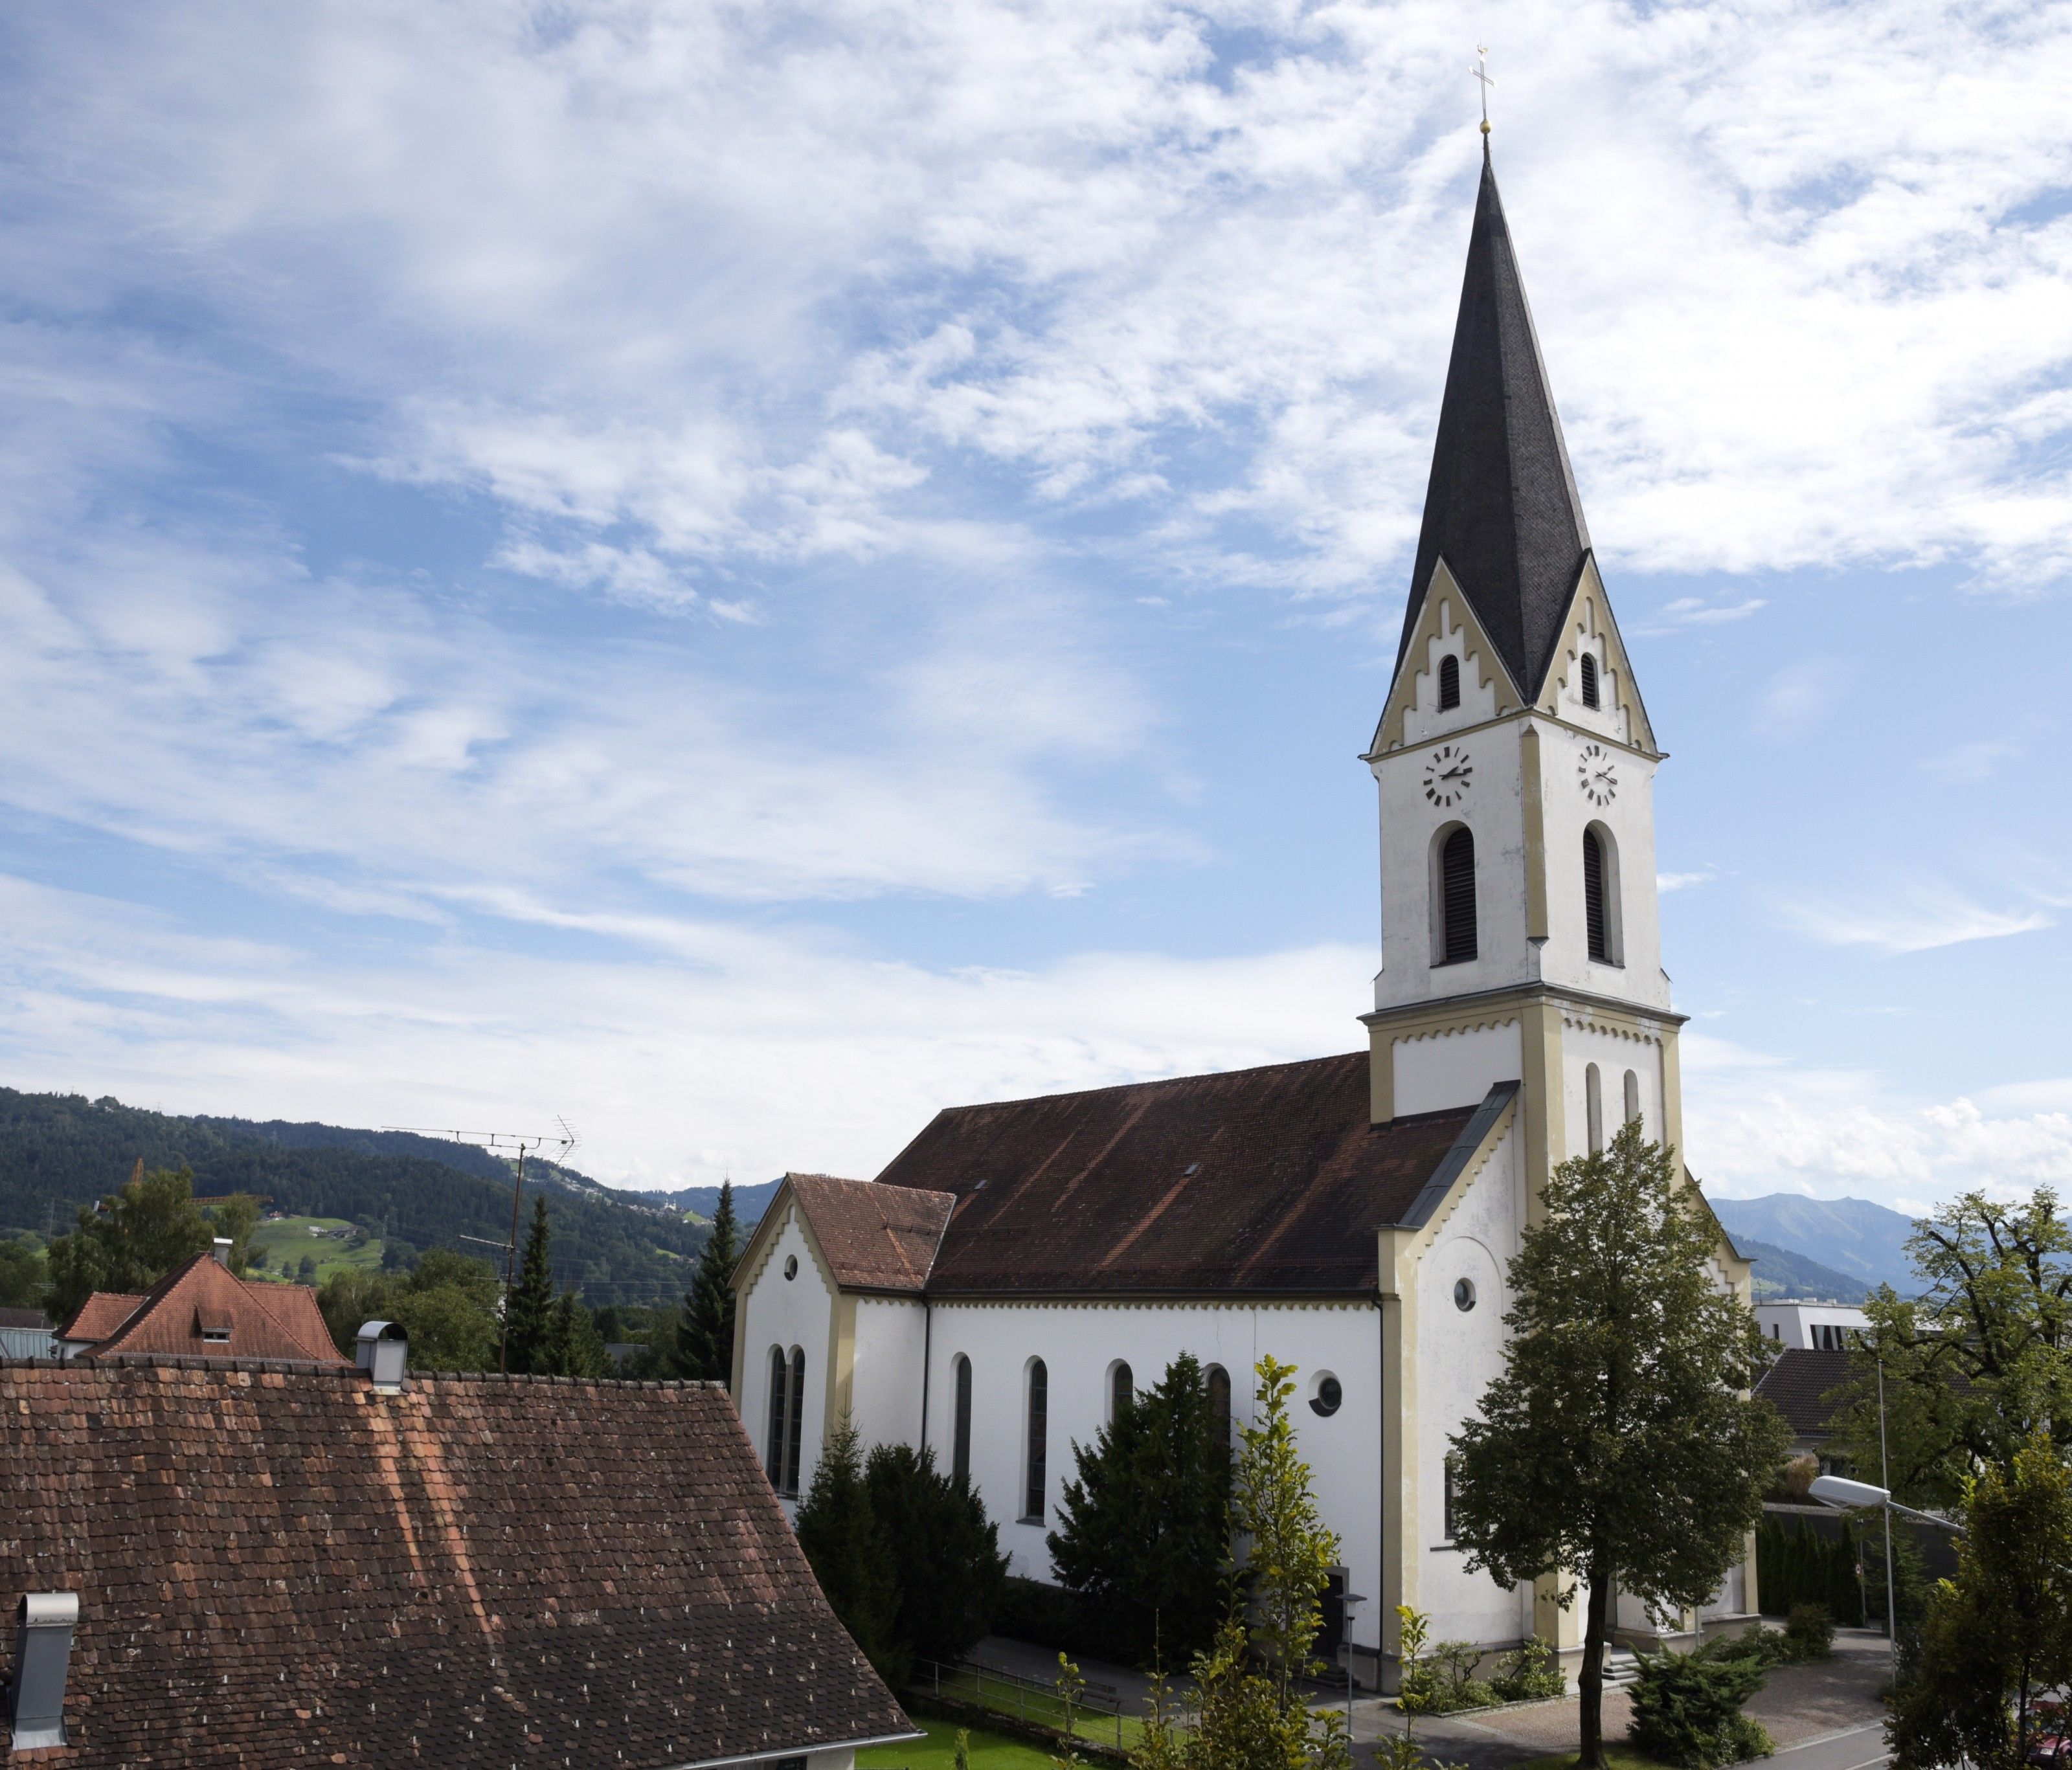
(1481, 71)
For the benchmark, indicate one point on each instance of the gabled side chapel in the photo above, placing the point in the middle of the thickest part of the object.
(1021, 1266)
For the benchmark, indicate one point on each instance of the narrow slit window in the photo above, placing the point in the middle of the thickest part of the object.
(1456, 886)
(792, 1436)
(1632, 1098)
(1449, 683)
(773, 1453)
(1446, 1505)
(960, 1437)
(1219, 1400)
(1121, 1390)
(1594, 907)
(1589, 672)
(1039, 1424)
(1594, 1108)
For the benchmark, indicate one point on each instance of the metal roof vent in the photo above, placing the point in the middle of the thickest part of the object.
(223, 1251)
(43, 1649)
(384, 1353)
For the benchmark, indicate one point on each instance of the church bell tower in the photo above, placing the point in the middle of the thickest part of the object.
(1516, 763)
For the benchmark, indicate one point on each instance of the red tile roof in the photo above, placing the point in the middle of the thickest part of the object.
(100, 1315)
(875, 1238)
(275, 1564)
(262, 1320)
(1267, 1180)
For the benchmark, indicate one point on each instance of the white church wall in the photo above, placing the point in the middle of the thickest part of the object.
(1629, 820)
(1459, 1353)
(1615, 1053)
(794, 1311)
(885, 1388)
(1425, 718)
(1455, 1069)
(1079, 1343)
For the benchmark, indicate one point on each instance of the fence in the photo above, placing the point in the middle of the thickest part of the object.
(1099, 1713)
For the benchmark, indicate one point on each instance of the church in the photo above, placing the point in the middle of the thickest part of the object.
(1021, 1265)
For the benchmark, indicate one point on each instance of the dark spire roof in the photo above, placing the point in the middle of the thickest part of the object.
(1501, 508)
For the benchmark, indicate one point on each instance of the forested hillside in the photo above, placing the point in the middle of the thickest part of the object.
(59, 1152)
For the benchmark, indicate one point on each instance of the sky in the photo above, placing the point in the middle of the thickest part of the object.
(739, 573)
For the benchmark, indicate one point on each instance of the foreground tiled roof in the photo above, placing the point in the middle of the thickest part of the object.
(276, 1565)
(1262, 1180)
(875, 1238)
(100, 1315)
(262, 1320)
(1797, 1384)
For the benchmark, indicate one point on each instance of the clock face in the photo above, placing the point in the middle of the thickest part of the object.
(1595, 776)
(1447, 775)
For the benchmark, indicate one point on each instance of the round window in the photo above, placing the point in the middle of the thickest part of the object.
(791, 1268)
(1328, 1398)
(1464, 1294)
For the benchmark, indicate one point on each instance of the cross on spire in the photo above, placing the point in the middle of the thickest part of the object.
(1481, 71)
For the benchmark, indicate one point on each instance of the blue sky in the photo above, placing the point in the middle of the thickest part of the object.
(741, 574)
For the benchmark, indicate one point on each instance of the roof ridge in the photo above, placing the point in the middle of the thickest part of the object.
(1163, 1081)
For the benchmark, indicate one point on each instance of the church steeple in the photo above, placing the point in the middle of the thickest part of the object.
(1501, 509)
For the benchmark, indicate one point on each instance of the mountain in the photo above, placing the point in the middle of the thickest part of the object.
(1780, 1273)
(749, 1202)
(1851, 1236)
(59, 1152)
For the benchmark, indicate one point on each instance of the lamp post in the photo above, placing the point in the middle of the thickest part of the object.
(1849, 1496)
(1347, 1604)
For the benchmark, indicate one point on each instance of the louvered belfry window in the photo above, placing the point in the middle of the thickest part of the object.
(1457, 890)
(1594, 897)
(1450, 682)
(1589, 675)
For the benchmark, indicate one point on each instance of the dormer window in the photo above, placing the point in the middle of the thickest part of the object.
(1589, 671)
(1449, 683)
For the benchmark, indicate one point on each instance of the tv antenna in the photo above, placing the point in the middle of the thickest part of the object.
(562, 1140)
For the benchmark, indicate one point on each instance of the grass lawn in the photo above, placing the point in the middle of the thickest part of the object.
(1038, 1705)
(938, 1751)
(290, 1239)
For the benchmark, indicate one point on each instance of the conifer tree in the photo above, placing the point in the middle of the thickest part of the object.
(573, 1347)
(704, 1335)
(529, 1317)
(1618, 1447)
(945, 1552)
(844, 1543)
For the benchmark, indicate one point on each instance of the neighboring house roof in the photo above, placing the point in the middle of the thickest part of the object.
(1797, 1384)
(1264, 1180)
(874, 1237)
(202, 1308)
(23, 1318)
(100, 1315)
(1501, 507)
(275, 1563)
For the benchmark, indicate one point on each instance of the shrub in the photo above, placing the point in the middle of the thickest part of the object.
(1442, 1680)
(1531, 1672)
(945, 1552)
(1810, 1634)
(1687, 1707)
(1799, 1565)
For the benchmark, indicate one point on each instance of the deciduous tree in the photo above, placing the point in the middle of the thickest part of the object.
(138, 1235)
(1618, 1445)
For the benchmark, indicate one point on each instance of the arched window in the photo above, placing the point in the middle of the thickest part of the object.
(1450, 682)
(1597, 912)
(1589, 672)
(797, 1427)
(1219, 1399)
(1456, 898)
(960, 1432)
(1632, 1097)
(773, 1452)
(1121, 1390)
(1594, 1107)
(1039, 1428)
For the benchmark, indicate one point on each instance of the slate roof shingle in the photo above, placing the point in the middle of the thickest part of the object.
(276, 1564)
(1797, 1384)
(1269, 1181)
(1501, 506)
(262, 1320)
(875, 1238)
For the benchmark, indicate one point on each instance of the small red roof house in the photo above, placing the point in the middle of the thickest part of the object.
(272, 1562)
(202, 1309)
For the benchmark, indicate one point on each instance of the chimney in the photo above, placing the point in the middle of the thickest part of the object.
(223, 1251)
(42, 1648)
(384, 1354)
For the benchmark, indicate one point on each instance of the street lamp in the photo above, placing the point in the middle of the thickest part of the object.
(1849, 1496)
(1347, 1604)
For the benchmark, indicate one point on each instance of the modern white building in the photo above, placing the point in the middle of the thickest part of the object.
(1021, 1263)
(1811, 1327)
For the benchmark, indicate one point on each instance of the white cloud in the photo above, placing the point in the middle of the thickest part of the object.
(1800, 696)
(1680, 881)
(1693, 611)
(1971, 761)
(1931, 916)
